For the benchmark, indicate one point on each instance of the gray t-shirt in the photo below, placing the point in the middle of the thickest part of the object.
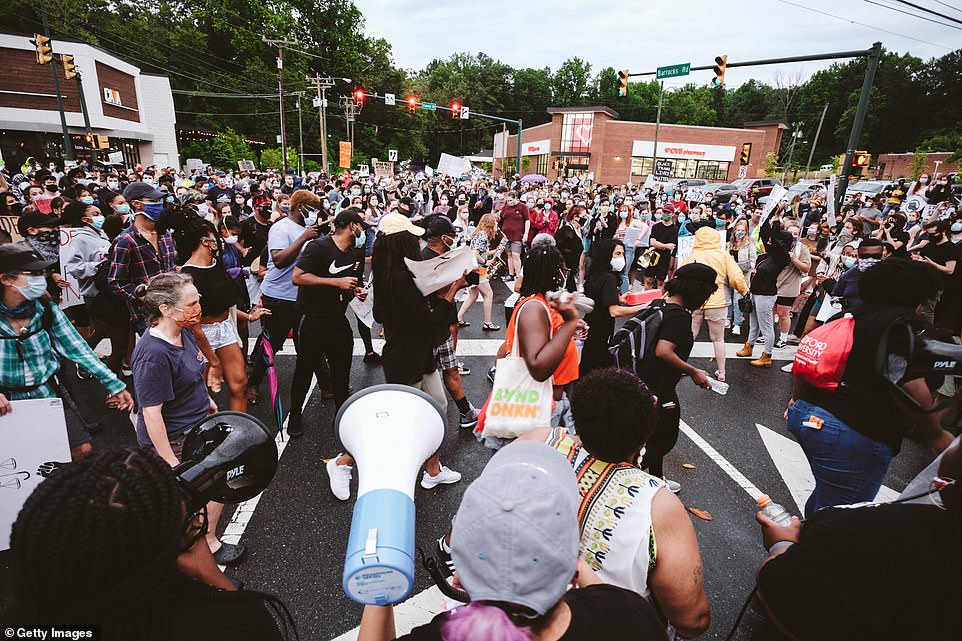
(872, 213)
(277, 283)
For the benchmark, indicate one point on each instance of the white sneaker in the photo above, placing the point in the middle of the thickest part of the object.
(340, 476)
(444, 476)
(736, 330)
(788, 368)
(673, 486)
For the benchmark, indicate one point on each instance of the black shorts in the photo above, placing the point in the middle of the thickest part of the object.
(785, 301)
(659, 271)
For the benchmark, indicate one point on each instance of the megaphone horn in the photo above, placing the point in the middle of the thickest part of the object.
(907, 352)
(390, 430)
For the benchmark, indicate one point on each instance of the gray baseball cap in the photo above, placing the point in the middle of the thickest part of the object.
(141, 190)
(515, 537)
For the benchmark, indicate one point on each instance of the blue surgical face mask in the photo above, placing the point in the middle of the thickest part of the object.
(849, 262)
(360, 241)
(310, 218)
(124, 209)
(87, 200)
(623, 215)
(97, 222)
(35, 287)
(152, 210)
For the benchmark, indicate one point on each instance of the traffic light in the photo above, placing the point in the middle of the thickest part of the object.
(746, 153)
(44, 48)
(720, 63)
(90, 140)
(455, 109)
(69, 68)
(862, 159)
(412, 104)
(359, 96)
(623, 82)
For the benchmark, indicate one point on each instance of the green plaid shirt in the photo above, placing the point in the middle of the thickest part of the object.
(41, 354)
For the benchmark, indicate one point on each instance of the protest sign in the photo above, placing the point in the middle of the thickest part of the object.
(32, 436)
(70, 295)
(778, 192)
(9, 225)
(384, 169)
(453, 165)
(431, 275)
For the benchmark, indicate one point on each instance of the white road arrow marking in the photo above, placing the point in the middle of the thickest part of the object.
(416, 611)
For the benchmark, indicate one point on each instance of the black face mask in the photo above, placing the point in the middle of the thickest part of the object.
(16, 209)
(48, 237)
(53, 189)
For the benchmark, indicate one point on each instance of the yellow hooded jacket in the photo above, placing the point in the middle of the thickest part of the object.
(708, 250)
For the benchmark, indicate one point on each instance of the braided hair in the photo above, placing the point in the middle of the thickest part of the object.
(542, 270)
(98, 542)
(187, 228)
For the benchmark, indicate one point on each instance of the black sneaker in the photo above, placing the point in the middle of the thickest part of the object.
(372, 357)
(463, 369)
(295, 425)
(445, 562)
(780, 344)
(469, 419)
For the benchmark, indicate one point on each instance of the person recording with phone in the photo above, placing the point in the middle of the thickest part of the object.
(327, 275)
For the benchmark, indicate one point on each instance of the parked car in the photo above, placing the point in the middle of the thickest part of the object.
(758, 186)
(867, 188)
(804, 193)
(826, 168)
(687, 183)
(723, 191)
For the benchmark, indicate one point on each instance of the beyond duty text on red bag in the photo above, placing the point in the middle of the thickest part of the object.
(823, 353)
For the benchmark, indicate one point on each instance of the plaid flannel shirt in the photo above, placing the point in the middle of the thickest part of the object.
(133, 262)
(41, 354)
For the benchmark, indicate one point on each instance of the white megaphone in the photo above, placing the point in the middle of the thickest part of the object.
(390, 430)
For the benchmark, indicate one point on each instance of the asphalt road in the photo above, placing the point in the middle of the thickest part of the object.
(298, 532)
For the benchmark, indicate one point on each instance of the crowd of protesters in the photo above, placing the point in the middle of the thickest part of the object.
(175, 268)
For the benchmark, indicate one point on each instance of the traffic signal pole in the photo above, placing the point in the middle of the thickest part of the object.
(873, 55)
(67, 147)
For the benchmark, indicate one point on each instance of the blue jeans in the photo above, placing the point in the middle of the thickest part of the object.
(629, 262)
(732, 297)
(848, 466)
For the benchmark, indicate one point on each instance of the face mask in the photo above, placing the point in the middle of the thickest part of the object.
(35, 287)
(923, 180)
(359, 241)
(87, 200)
(113, 185)
(666, 217)
(604, 209)
(97, 222)
(367, 190)
(849, 262)
(231, 240)
(188, 320)
(719, 223)
(284, 208)
(623, 215)
(812, 233)
(512, 202)
(618, 264)
(739, 234)
(547, 206)
(530, 204)
(311, 218)
(865, 263)
(53, 189)
(444, 201)
(152, 210)
(123, 209)
(447, 244)
(956, 228)
(681, 219)
(48, 237)
(83, 181)
(355, 192)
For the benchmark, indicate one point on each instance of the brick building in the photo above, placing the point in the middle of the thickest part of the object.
(890, 166)
(583, 140)
(133, 110)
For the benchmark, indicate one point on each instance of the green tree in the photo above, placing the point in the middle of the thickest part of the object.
(272, 158)
(917, 166)
(572, 83)
(227, 148)
(770, 165)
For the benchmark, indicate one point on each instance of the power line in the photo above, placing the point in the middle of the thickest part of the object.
(927, 10)
(914, 15)
(862, 24)
(949, 6)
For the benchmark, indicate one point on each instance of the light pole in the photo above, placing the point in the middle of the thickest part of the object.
(280, 44)
(791, 150)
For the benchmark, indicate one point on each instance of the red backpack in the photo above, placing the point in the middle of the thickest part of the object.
(823, 354)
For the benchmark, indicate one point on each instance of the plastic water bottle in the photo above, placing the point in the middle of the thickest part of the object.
(773, 510)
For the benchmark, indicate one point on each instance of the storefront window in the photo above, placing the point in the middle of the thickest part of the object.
(542, 165)
(683, 168)
(576, 132)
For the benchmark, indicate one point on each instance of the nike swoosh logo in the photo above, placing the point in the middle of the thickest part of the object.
(334, 269)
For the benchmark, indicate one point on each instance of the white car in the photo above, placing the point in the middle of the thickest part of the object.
(826, 168)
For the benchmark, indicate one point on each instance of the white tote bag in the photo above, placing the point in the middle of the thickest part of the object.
(518, 403)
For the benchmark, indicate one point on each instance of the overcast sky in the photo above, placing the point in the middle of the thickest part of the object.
(642, 34)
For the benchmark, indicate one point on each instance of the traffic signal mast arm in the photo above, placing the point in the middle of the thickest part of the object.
(773, 61)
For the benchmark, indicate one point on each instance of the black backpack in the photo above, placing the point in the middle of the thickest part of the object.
(634, 343)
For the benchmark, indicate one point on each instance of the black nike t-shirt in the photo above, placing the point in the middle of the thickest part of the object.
(323, 258)
(676, 329)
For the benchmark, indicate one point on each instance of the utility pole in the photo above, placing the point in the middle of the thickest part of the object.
(300, 138)
(873, 59)
(791, 150)
(321, 85)
(818, 131)
(654, 151)
(350, 114)
(280, 44)
(67, 147)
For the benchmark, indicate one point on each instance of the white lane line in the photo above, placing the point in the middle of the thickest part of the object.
(242, 515)
(489, 347)
(417, 610)
(721, 461)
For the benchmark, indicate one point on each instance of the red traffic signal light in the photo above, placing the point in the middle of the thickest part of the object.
(746, 153)
(455, 109)
(359, 96)
(412, 103)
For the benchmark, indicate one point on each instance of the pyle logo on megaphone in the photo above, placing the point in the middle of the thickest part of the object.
(235, 472)
(944, 364)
